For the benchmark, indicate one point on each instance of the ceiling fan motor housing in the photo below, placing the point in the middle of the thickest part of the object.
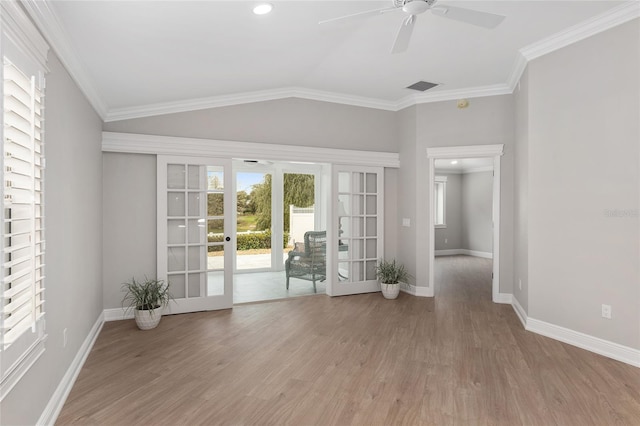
(402, 3)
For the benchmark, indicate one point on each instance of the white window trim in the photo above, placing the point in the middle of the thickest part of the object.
(443, 181)
(23, 45)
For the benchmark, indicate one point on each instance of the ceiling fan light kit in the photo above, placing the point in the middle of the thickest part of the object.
(413, 8)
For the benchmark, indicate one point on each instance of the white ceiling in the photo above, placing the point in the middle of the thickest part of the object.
(135, 58)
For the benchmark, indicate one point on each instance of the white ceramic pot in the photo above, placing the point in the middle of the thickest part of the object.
(148, 319)
(390, 291)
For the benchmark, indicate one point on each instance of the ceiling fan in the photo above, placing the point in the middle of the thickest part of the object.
(413, 8)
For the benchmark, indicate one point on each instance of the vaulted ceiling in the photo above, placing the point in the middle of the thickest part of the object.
(137, 58)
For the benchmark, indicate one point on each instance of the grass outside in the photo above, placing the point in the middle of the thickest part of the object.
(245, 223)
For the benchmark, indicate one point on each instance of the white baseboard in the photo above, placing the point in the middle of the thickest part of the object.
(485, 254)
(452, 252)
(522, 315)
(415, 290)
(594, 344)
(117, 314)
(55, 404)
(584, 341)
(504, 298)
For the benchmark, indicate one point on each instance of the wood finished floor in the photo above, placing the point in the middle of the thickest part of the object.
(457, 359)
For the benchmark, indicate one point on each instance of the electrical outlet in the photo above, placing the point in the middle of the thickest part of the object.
(446, 240)
(406, 222)
(519, 283)
(606, 311)
(64, 338)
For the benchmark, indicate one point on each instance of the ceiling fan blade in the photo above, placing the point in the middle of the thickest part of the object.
(474, 17)
(359, 15)
(404, 34)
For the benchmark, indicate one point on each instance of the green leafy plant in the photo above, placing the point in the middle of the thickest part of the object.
(390, 272)
(149, 294)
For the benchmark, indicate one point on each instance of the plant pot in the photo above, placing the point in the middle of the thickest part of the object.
(390, 291)
(146, 319)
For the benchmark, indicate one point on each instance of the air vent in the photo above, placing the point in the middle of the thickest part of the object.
(422, 86)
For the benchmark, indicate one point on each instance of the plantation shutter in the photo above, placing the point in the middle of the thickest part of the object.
(23, 242)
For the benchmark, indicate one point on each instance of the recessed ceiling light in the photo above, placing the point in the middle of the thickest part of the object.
(454, 162)
(263, 8)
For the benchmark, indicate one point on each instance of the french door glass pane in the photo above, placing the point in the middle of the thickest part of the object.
(195, 203)
(215, 283)
(196, 258)
(196, 284)
(372, 249)
(372, 183)
(175, 176)
(177, 285)
(175, 231)
(196, 231)
(194, 177)
(176, 259)
(215, 257)
(372, 204)
(215, 178)
(175, 204)
(371, 270)
(215, 204)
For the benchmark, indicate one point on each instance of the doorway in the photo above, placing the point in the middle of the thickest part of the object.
(463, 227)
(276, 203)
(478, 156)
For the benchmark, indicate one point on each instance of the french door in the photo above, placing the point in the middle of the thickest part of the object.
(360, 229)
(195, 232)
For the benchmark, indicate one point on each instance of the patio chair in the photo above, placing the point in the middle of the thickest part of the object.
(309, 263)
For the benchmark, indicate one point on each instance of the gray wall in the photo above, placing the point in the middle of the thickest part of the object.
(407, 131)
(73, 203)
(583, 163)
(130, 179)
(129, 225)
(488, 120)
(468, 213)
(289, 121)
(477, 211)
(521, 207)
(453, 212)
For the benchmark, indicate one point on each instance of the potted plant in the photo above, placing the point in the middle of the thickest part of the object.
(390, 274)
(147, 298)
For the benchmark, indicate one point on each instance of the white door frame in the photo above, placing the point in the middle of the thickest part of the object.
(471, 151)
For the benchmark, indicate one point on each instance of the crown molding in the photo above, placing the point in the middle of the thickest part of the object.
(454, 94)
(168, 145)
(301, 93)
(21, 31)
(50, 26)
(600, 23)
(519, 65)
(245, 98)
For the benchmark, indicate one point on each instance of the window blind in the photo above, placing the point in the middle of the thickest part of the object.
(23, 242)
